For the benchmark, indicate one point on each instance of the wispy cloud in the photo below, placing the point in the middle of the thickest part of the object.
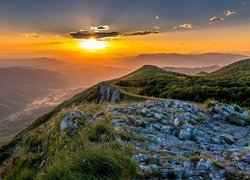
(229, 13)
(215, 19)
(100, 28)
(184, 26)
(28, 35)
(141, 33)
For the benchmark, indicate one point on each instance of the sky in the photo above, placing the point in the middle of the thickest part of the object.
(62, 28)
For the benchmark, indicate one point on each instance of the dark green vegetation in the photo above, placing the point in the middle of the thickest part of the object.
(230, 84)
(91, 150)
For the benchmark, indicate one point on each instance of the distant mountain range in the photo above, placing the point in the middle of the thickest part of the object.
(193, 71)
(181, 60)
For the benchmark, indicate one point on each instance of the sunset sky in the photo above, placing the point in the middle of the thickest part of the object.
(62, 28)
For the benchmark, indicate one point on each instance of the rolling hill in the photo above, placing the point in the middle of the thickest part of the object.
(238, 71)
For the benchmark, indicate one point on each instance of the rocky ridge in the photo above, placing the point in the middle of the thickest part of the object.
(181, 140)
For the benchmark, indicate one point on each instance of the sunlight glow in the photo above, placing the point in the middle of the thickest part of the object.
(92, 44)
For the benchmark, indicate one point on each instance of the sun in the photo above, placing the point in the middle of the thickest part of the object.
(92, 44)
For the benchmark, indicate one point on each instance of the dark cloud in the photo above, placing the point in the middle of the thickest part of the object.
(97, 35)
(84, 34)
(141, 33)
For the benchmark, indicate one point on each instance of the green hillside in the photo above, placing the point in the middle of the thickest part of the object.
(221, 85)
(238, 71)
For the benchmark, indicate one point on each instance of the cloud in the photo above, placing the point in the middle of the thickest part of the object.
(141, 33)
(28, 35)
(184, 26)
(157, 17)
(100, 28)
(229, 13)
(102, 32)
(215, 19)
(98, 35)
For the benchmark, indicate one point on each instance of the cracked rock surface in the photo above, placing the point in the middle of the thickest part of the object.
(181, 140)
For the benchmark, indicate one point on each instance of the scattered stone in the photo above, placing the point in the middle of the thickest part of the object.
(182, 141)
(68, 122)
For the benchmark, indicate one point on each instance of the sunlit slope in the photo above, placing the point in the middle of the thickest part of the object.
(238, 71)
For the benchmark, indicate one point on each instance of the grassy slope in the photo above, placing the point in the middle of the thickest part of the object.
(238, 71)
(88, 152)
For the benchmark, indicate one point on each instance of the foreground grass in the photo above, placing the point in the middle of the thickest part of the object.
(89, 152)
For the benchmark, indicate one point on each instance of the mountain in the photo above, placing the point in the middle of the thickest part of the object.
(238, 71)
(40, 63)
(117, 130)
(76, 71)
(178, 60)
(193, 71)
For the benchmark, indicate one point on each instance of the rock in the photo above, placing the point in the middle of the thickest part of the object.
(166, 129)
(108, 94)
(68, 122)
(144, 110)
(215, 140)
(159, 116)
(187, 164)
(235, 156)
(202, 136)
(186, 134)
(176, 121)
(233, 114)
(246, 158)
(204, 165)
(115, 121)
(79, 112)
(244, 115)
(177, 141)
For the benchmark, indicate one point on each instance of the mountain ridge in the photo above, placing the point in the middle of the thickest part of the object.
(177, 60)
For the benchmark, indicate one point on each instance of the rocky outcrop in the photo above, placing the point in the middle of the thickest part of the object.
(108, 94)
(181, 141)
(70, 121)
(232, 114)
